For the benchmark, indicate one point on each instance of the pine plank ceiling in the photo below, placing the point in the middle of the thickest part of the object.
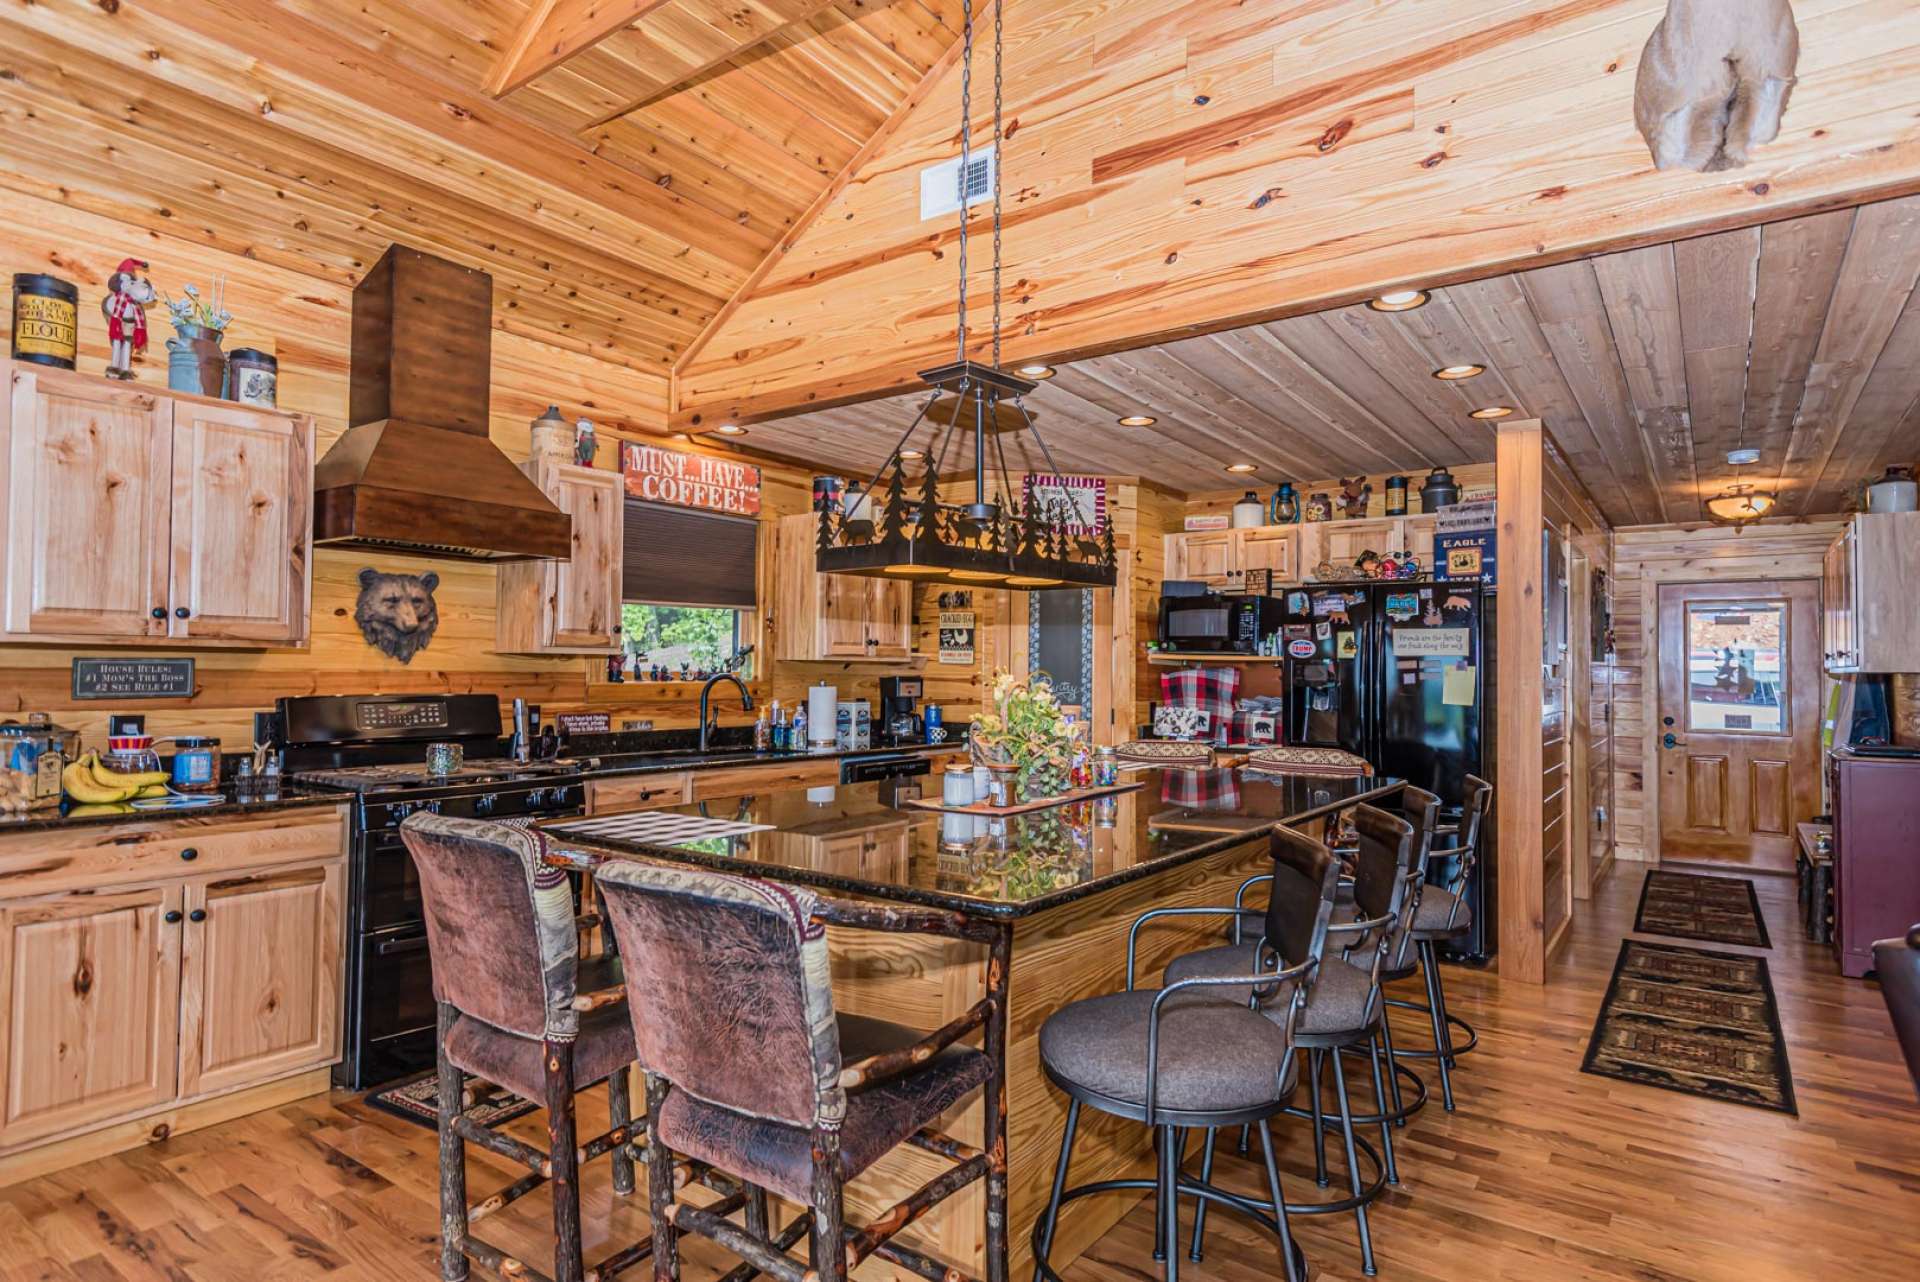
(1799, 338)
(620, 198)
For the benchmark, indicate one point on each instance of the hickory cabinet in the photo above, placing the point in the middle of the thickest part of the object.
(150, 965)
(569, 606)
(134, 516)
(1220, 558)
(834, 616)
(1870, 613)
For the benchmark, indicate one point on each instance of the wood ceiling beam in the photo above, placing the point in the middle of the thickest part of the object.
(556, 30)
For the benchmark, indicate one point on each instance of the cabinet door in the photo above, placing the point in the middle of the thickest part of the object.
(889, 619)
(260, 994)
(89, 1009)
(1270, 548)
(1207, 556)
(242, 525)
(87, 506)
(843, 615)
(586, 587)
(1342, 542)
(1417, 541)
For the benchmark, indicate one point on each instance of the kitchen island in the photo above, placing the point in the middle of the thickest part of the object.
(1053, 892)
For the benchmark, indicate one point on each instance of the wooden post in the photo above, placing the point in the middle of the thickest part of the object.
(1519, 558)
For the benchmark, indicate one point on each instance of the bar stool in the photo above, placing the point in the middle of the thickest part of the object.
(751, 1071)
(1203, 1052)
(1445, 914)
(518, 1008)
(1347, 1012)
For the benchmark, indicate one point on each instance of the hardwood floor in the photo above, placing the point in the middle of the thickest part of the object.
(1544, 1173)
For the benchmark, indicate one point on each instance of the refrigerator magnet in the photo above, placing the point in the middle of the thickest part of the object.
(1301, 649)
(1323, 630)
(1402, 606)
(1347, 647)
(1296, 603)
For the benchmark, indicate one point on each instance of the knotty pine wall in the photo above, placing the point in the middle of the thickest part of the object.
(304, 320)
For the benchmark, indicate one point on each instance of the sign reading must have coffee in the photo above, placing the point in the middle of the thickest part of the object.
(690, 480)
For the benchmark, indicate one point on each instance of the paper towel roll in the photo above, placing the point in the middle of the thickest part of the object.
(823, 713)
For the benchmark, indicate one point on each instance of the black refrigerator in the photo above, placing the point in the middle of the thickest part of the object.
(1402, 674)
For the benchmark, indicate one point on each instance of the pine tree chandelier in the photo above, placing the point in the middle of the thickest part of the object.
(899, 528)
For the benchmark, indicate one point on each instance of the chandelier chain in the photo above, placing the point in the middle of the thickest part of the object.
(966, 156)
(999, 168)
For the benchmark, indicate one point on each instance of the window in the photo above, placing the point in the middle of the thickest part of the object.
(1736, 681)
(687, 579)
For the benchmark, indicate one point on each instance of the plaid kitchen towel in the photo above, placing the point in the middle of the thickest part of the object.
(1201, 789)
(1212, 689)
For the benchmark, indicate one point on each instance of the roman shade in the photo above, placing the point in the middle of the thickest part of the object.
(674, 556)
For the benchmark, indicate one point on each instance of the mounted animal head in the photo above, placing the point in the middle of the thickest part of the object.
(396, 612)
(1714, 80)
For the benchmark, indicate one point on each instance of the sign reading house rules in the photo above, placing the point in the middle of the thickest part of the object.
(690, 480)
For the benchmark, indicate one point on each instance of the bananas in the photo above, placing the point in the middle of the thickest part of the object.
(91, 783)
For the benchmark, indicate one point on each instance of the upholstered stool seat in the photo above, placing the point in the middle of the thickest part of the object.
(779, 1157)
(603, 1047)
(1309, 761)
(1216, 1055)
(1340, 993)
(1439, 918)
(1165, 752)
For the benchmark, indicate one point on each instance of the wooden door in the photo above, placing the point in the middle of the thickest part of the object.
(1271, 548)
(1206, 556)
(87, 506)
(89, 1008)
(242, 524)
(585, 612)
(843, 615)
(260, 991)
(889, 619)
(1738, 742)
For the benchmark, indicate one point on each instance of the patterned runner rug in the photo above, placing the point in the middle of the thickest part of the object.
(1719, 910)
(418, 1100)
(1685, 1019)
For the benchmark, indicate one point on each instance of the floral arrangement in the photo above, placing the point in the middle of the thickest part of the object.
(1026, 730)
(193, 310)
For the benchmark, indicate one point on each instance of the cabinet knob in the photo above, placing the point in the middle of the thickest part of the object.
(189, 853)
(172, 917)
(198, 914)
(159, 611)
(181, 612)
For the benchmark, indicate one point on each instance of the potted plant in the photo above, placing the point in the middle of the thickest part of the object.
(195, 362)
(1025, 733)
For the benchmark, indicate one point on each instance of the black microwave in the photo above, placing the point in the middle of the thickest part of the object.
(1216, 624)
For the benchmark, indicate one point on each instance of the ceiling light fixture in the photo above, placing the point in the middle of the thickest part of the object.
(1739, 504)
(1491, 411)
(1240, 468)
(1051, 534)
(731, 429)
(1743, 456)
(1036, 371)
(1137, 420)
(1454, 373)
(1400, 300)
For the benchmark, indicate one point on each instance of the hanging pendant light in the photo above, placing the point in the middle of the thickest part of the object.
(909, 533)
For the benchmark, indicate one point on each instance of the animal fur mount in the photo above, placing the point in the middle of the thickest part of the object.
(396, 612)
(1714, 81)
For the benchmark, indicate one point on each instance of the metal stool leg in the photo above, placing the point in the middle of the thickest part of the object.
(1279, 1204)
(1200, 1210)
(1052, 1216)
(1169, 1195)
(1380, 1098)
(453, 1161)
(620, 1115)
(1437, 1011)
(1353, 1165)
(1440, 1006)
(1316, 1058)
(1393, 1076)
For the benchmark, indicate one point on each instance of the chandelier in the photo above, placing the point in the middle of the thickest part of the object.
(898, 527)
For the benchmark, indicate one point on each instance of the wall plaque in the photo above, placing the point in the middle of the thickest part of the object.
(133, 678)
(690, 480)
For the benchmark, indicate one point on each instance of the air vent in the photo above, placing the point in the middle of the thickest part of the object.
(941, 185)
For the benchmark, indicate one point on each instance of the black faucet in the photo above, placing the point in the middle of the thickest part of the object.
(707, 727)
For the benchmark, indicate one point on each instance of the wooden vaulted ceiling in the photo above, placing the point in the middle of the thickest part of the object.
(621, 196)
(1798, 338)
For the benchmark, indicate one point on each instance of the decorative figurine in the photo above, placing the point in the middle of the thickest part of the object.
(585, 444)
(1354, 494)
(125, 308)
(1319, 507)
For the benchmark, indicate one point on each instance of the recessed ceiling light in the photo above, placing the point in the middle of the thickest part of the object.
(1454, 373)
(1138, 420)
(731, 429)
(1035, 371)
(1240, 467)
(1399, 300)
(1742, 457)
(1492, 411)
(913, 454)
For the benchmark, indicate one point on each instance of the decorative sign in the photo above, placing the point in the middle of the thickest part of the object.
(1463, 518)
(1213, 521)
(1452, 643)
(690, 480)
(1467, 557)
(956, 636)
(584, 722)
(1083, 497)
(133, 678)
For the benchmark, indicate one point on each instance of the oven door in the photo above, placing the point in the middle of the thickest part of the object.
(392, 1024)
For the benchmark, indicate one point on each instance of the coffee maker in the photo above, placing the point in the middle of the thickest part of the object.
(900, 708)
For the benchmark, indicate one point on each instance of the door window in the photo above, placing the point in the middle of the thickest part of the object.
(1736, 667)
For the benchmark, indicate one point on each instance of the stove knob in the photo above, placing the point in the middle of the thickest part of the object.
(536, 797)
(434, 806)
(484, 803)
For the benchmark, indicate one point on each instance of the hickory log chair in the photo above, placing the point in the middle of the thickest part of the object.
(1444, 914)
(1205, 1052)
(1347, 1012)
(519, 1008)
(752, 1072)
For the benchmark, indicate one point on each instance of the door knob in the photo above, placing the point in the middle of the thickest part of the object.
(1668, 741)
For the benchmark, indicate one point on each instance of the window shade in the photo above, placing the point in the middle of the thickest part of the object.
(675, 556)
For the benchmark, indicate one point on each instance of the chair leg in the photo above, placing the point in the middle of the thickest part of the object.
(828, 1244)
(563, 1150)
(1381, 1097)
(1393, 1073)
(1279, 1204)
(1353, 1163)
(756, 1212)
(620, 1115)
(1169, 1194)
(1440, 1006)
(1052, 1215)
(1436, 1009)
(1200, 1204)
(666, 1238)
(453, 1160)
(1316, 1058)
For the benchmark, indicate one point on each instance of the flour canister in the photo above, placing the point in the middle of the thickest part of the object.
(46, 320)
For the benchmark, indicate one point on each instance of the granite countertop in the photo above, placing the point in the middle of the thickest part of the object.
(667, 761)
(862, 839)
(72, 814)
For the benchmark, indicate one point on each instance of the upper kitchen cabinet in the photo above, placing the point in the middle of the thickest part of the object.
(139, 517)
(571, 605)
(1221, 557)
(1872, 621)
(834, 616)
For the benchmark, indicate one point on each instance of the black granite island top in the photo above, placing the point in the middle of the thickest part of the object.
(862, 840)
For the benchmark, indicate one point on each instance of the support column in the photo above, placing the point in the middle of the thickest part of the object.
(1520, 559)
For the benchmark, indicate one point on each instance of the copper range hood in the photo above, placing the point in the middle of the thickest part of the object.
(416, 472)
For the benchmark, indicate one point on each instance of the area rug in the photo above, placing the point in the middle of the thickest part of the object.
(1685, 1019)
(417, 1099)
(1718, 910)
